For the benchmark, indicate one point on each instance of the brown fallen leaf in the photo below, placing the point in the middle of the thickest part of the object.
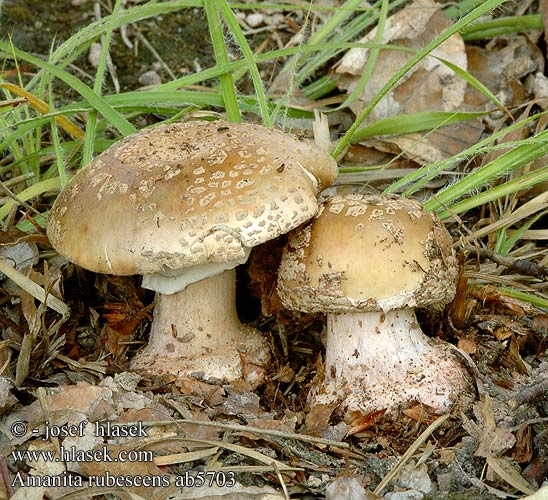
(429, 86)
(359, 422)
(317, 419)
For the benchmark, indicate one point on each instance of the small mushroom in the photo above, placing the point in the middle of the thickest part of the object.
(368, 261)
(183, 204)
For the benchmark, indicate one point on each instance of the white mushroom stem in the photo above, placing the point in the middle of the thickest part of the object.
(197, 331)
(382, 360)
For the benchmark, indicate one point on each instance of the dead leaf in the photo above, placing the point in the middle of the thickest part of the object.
(428, 86)
(103, 470)
(81, 399)
(522, 452)
(244, 404)
(468, 345)
(213, 395)
(501, 67)
(317, 420)
(492, 440)
(509, 472)
(359, 422)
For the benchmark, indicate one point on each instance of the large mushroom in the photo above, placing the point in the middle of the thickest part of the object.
(183, 204)
(368, 261)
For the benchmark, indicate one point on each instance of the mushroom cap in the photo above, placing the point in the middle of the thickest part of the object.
(186, 194)
(368, 253)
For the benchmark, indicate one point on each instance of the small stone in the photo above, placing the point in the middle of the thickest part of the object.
(150, 78)
(415, 478)
(94, 54)
(345, 488)
(540, 86)
(255, 19)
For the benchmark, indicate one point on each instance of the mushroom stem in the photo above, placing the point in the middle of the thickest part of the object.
(384, 360)
(197, 330)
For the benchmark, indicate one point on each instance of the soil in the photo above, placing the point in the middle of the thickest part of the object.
(181, 39)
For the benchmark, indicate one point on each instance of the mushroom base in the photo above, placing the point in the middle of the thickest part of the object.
(377, 360)
(196, 332)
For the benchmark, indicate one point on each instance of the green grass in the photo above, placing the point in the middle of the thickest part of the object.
(48, 138)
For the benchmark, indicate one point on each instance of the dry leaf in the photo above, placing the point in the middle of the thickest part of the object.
(522, 452)
(421, 413)
(71, 403)
(359, 422)
(428, 86)
(500, 68)
(317, 419)
(509, 472)
(468, 345)
(493, 440)
(213, 395)
(244, 404)
(105, 469)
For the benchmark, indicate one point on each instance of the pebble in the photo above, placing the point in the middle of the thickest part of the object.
(255, 19)
(345, 488)
(415, 477)
(150, 78)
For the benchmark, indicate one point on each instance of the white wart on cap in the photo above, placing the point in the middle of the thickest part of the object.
(367, 261)
(181, 203)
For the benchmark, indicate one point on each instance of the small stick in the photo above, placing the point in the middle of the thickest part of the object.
(529, 394)
(521, 266)
(281, 479)
(409, 453)
(154, 52)
(243, 428)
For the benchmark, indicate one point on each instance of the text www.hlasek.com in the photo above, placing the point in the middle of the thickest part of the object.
(73, 454)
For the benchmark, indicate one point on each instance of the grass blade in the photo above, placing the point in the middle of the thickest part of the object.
(221, 56)
(115, 118)
(419, 56)
(249, 58)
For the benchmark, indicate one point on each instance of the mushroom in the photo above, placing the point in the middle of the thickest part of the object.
(368, 261)
(183, 204)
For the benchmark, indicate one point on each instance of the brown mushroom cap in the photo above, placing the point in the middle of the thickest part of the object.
(368, 253)
(187, 194)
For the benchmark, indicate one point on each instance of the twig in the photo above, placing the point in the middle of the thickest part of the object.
(244, 428)
(409, 453)
(153, 51)
(18, 179)
(529, 394)
(110, 65)
(123, 30)
(33, 288)
(521, 266)
(532, 421)
(18, 200)
(281, 479)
